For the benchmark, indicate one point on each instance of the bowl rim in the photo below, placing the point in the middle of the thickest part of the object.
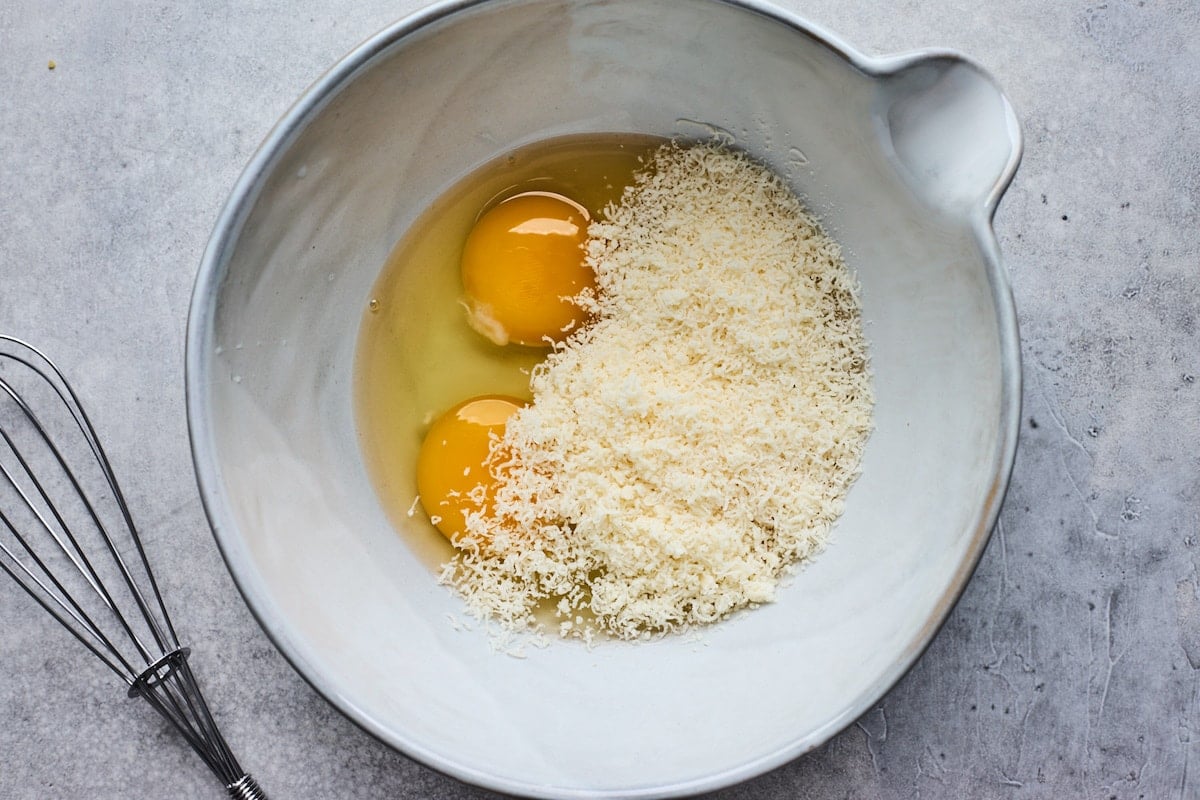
(197, 379)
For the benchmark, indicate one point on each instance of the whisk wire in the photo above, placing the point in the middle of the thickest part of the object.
(81, 618)
(81, 421)
(86, 568)
(34, 467)
(62, 598)
(172, 677)
(88, 574)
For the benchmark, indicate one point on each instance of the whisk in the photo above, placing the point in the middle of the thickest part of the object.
(68, 539)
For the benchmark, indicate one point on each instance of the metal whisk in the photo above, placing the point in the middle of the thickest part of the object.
(68, 539)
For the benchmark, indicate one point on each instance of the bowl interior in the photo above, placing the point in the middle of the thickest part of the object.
(271, 352)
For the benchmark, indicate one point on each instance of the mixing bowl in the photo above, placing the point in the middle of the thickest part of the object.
(904, 158)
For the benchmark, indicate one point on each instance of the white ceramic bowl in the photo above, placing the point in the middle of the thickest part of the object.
(905, 159)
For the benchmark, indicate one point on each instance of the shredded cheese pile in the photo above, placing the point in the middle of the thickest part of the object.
(696, 440)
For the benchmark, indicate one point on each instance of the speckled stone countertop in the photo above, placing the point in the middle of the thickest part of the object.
(1071, 667)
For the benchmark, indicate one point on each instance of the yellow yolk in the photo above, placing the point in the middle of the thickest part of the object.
(522, 262)
(452, 476)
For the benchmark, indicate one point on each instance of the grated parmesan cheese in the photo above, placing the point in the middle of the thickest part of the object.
(696, 440)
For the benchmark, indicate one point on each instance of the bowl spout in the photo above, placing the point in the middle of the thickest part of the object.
(955, 136)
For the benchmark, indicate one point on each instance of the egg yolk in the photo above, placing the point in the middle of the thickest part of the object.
(452, 476)
(521, 264)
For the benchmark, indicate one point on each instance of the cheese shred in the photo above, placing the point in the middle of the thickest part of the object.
(696, 439)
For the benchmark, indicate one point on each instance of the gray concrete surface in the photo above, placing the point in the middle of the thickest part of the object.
(1071, 667)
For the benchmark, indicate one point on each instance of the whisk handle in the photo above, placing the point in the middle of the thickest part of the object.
(245, 788)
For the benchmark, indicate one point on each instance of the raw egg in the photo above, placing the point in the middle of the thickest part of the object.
(453, 478)
(521, 265)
